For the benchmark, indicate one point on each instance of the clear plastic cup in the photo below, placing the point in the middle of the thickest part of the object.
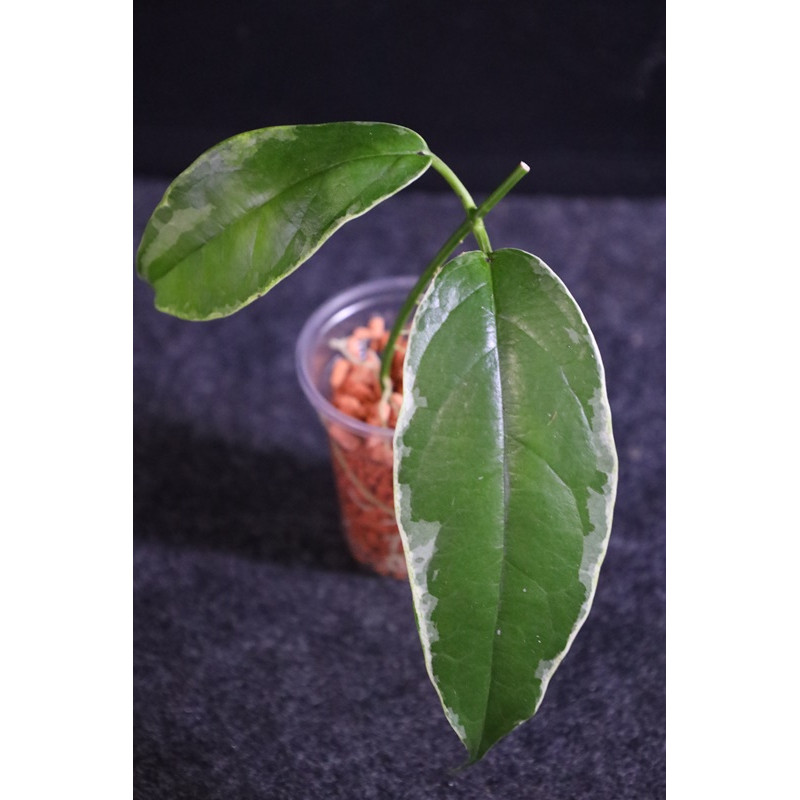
(361, 453)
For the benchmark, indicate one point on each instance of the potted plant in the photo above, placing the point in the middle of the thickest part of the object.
(503, 462)
(338, 359)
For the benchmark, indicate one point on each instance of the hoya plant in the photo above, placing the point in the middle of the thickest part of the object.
(505, 469)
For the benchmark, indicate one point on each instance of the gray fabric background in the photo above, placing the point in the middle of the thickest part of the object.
(267, 664)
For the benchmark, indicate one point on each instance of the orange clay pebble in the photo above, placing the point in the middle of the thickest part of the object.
(361, 382)
(350, 406)
(377, 331)
(363, 334)
(340, 369)
(396, 371)
(363, 465)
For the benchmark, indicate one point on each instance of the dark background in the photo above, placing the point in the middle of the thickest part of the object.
(575, 89)
(267, 664)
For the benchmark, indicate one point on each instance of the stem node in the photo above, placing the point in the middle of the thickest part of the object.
(472, 224)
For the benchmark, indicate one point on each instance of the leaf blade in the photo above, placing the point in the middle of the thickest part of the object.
(504, 506)
(253, 208)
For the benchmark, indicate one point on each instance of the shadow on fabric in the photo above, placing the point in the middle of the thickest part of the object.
(196, 492)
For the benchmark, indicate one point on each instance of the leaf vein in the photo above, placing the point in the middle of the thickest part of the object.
(260, 206)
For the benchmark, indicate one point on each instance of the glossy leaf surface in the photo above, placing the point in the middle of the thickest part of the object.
(256, 206)
(505, 477)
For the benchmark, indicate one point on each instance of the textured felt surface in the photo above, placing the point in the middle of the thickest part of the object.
(266, 663)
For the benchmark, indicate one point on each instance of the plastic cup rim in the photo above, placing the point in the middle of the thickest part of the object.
(339, 303)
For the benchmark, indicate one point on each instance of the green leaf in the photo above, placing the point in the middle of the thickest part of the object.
(253, 208)
(505, 477)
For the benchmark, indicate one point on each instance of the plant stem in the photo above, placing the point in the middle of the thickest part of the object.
(454, 241)
(521, 170)
(474, 218)
(478, 229)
